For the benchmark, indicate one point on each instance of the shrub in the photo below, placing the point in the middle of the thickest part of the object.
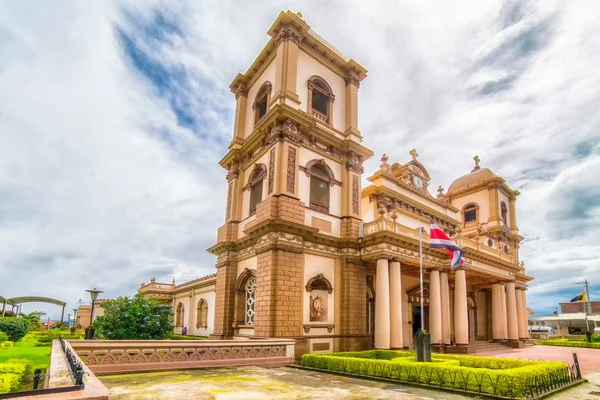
(15, 328)
(7, 344)
(507, 378)
(38, 344)
(3, 337)
(596, 338)
(9, 383)
(134, 318)
(44, 339)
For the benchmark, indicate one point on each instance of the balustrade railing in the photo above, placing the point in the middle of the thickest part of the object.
(73, 363)
(384, 224)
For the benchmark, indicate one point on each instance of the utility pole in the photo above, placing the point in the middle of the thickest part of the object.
(586, 304)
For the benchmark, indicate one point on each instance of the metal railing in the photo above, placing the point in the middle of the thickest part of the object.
(74, 364)
(36, 382)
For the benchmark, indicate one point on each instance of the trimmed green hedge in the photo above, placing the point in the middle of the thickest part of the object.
(14, 373)
(570, 343)
(499, 376)
(7, 344)
(182, 337)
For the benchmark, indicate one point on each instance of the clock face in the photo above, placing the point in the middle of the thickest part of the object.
(418, 182)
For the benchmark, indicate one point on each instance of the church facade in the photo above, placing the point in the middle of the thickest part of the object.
(306, 252)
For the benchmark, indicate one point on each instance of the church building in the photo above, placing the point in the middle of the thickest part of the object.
(306, 252)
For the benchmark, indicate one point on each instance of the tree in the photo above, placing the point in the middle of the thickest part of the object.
(15, 328)
(34, 318)
(134, 318)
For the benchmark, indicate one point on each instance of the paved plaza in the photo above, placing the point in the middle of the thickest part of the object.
(255, 383)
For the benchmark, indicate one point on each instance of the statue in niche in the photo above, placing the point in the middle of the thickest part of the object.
(316, 308)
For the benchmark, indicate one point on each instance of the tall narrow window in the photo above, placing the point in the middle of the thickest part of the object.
(255, 185)
(202, 314)
(504, 212)
(470, 215)
(179, 315)
(261, 102)
(250, 299)
(320, 99)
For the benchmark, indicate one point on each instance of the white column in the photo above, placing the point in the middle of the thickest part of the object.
(445, 307)
(435, 307)
(525, 313)
(503, 305)
(382, 305)
(461, 321)
(496, 312)
(520, 320)
(512, 319)
(396, 341)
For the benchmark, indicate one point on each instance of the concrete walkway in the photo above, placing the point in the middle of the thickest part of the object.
(254, 383)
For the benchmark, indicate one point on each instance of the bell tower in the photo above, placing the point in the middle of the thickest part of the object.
(294, 170)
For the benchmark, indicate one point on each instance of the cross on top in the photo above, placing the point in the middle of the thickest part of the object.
(414, 154)
(477, 160)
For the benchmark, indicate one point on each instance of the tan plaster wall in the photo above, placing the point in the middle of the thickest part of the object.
(307, 67)
(368, 209)
(267, 75)
(313, 265)
(208, 294)
(249, 263)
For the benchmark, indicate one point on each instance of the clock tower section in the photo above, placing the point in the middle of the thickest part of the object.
(294, 170)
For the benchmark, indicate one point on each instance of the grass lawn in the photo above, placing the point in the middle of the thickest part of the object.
(40, 356)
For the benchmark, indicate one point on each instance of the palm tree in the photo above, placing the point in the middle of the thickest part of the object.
(34, 318)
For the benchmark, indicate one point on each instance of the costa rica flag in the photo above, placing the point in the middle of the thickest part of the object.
(439, 240)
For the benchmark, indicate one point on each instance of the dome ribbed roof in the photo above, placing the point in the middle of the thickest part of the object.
(471, 179)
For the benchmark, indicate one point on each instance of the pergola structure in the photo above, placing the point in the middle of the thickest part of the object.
(6, 302)
(17, 301)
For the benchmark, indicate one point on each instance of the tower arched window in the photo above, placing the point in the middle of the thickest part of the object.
(504, 212)
(470, 215)
(179, 315)
(261, 102)
(250, 288)
(321, 179)
(320, 99)
(202, 314)
(255, 185)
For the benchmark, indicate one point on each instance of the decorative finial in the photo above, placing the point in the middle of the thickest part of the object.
(414, 154)
(173, 281)
(440, 189)
(384, 158)
(394, 216)
(299, 14)
(522, 264)
(476, 158)
(384, 166)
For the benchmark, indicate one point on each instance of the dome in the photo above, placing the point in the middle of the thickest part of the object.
(471, 179)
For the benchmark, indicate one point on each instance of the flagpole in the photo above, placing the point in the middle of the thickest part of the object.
(421, 275)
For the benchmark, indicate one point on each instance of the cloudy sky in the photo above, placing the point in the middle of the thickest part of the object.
(113, 116)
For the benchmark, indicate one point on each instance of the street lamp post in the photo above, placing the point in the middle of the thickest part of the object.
(75, 310)
(89, 331)
(586, 306)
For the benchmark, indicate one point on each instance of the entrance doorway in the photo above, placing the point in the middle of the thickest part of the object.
(416, 317)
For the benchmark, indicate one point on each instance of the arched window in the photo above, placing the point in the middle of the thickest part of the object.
(250, 299)
(202, 314)
(255, 184)
(261, 102)
(245, 299)
(470, 215)
(321, 178)
(504, 212)
(320, 99)
(179, 315)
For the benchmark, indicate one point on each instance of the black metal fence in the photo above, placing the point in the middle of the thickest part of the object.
(37, 380)
(483, 384)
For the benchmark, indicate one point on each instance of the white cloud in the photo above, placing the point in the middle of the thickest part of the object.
(100, 186)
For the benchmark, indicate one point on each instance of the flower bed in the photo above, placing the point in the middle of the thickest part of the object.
(484, 375)
(571, 343)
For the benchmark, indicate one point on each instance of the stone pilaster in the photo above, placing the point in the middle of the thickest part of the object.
(225, 300)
